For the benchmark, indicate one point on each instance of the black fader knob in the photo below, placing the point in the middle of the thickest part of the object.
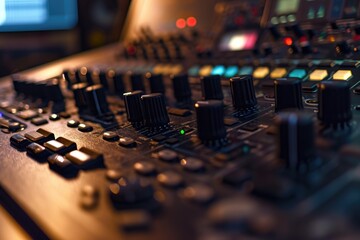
(117, 79)
(243, 93)
(288, 94)
(133, 107)
(154, 111)
(334, 104)
(156, 83)
(181, 87)
(137, 82)
(210, 122)
(79, 91)
(96, 99)
(211, 88)
(295, 139)
(53, 90)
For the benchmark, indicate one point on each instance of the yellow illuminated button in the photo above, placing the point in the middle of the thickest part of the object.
(278, 73)
(176, 69)
(159, 69)
(261, 72)
(342, 75)
(318, 75)
(205, 70)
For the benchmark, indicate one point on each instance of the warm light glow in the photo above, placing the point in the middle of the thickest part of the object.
(288, 41)
(191, 21)
(180, 23)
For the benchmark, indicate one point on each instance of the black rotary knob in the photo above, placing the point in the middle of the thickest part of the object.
(133, 107)
(295, 139)
(96, 100)
(288, 94)
(137, 82)
(181, 87)
(154, 111)
(334, 104)
(211, 88)
(243, 93)
(79, 91)
(210, 122)
(156, 83)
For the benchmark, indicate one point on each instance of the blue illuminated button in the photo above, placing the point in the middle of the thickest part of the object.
(218, 70)
(247, 70)
(298, 73)
(231, 71)
(194, 71)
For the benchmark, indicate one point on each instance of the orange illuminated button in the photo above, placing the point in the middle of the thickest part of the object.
(318, 75)
(261, 72)
(205, 70)
(278, 73)
(342, 75)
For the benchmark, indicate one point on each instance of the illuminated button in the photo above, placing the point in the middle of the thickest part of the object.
(278, 73)
(261, 72)
(246, 70)
(342, 75)
(218, 70)
(318, 75)
(231, 71)
(84, 158)
(298, 73)
(193, 71)
(176, 69)
(205, 70)
(54, 145)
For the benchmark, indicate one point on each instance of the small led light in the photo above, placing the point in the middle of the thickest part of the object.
(180, 23)
(182, 131)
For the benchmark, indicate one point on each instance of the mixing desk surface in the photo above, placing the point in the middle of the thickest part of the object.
(209, 120)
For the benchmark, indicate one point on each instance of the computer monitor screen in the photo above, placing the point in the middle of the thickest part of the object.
(37, 15)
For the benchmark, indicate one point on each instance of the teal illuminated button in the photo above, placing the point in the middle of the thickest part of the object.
(194, 71)
(218, 70)
(247, 70)
(231, 71)
(298, 73)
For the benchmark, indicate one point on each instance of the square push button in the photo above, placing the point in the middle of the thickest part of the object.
(261, 72)
(84, 158)
(318, 75)
(298, 73)
(37, 151)
(342, 75)
(278, 73)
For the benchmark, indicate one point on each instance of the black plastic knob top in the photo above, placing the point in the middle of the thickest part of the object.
(334, 104)
(181, 87)
(243, 93)
(156, 83)
(117, 79)
(210, 122)
(288, 94)
(211, 88)
(96, 100)
(154, 110)
(295, 139)
(137, 82)
(133, 107)
(79, 91)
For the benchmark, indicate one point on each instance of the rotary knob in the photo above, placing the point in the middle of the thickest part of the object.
(210, 122)
(137, 82)
(334, 104)
(133, 107)
(243, 93)
(181, 87)
(295, 139)
(154, 111)
(211, 88)
(96, 100)
(288, 94)
(156, 83)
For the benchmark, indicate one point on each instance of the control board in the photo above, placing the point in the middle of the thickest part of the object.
(213, 120)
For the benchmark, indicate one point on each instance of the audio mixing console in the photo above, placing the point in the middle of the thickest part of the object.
(209, 120)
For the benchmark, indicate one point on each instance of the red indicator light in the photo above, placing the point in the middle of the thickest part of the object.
(191, 21)
(180, 23)
(288, 41)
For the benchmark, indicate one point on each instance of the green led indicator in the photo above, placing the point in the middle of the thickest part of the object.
(182, 131)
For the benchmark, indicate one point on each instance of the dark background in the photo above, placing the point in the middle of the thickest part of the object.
(99, 23)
